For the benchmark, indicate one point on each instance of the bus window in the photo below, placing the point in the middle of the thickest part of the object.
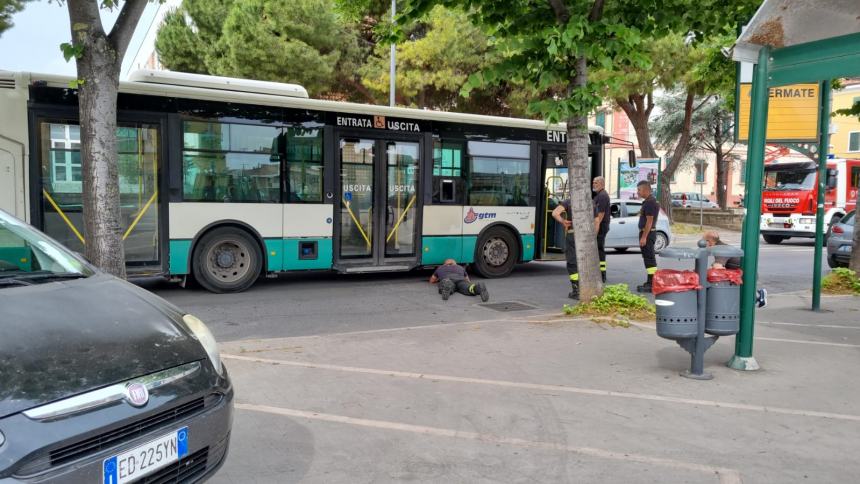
(449, 182)
(304, 165)
(498, 174)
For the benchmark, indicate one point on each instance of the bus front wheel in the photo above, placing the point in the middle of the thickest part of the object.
(496, 253)
(227, 260)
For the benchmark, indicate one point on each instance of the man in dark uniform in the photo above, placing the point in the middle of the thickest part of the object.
(453, 278)
(561, 214)
(648, 231)
(601, 220)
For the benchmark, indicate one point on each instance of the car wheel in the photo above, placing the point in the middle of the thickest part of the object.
(496, 253)
(661, 241)
(831, 262)
(227, 260)
(773, 239)
(621, 250)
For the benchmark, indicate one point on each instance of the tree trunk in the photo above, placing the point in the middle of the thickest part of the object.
(855, 252)
(98, 67)
(678, 155)
(722, 164)
(582, 212)
(638, 109)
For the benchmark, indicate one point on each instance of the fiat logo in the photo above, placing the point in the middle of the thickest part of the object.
(136, 394)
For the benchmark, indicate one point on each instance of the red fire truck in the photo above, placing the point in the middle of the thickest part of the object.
(790, 193)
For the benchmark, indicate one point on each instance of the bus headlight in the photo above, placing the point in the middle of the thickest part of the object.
(204, 336)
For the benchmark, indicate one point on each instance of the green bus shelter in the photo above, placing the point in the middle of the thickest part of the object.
(789, 42)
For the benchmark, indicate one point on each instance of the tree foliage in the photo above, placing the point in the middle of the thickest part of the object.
(8, 8)
(443, 49)
(298, 41)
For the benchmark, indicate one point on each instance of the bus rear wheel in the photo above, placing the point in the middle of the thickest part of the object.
(496, 253)
(227, 260)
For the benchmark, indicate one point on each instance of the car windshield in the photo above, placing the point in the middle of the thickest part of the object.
(789, 180)
(27, 257)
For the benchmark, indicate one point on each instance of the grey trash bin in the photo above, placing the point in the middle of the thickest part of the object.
(722, 316)
(677, 315)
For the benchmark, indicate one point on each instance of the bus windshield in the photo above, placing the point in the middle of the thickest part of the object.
(789, 180)
(27, 257)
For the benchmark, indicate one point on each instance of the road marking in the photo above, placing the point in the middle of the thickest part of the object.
(550, 388)
(726, 476)
(807, 342)
(835, 326)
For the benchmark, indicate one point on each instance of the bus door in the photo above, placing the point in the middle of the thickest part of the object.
(554, 189)
(60, 182)
(377, 205)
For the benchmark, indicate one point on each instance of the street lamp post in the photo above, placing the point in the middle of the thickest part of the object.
(393, 54)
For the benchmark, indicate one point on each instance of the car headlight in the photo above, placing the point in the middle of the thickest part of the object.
(807, 221)
(202, 334)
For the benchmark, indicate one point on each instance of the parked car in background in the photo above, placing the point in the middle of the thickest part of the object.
(624, 227)
(692, 200)
(840, 241)
(100, 380)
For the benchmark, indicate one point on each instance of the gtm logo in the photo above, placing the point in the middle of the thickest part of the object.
(471, 215)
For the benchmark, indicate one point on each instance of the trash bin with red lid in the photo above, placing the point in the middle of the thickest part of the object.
(722, 316)
(675, 297)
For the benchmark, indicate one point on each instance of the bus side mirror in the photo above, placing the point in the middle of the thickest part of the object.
(832, 179)
(631, 158)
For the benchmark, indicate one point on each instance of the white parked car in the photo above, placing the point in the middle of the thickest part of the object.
(624, 227)
(692, 200)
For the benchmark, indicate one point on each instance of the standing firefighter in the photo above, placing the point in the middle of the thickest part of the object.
(561, 214)
(648, 231)
(601, 220)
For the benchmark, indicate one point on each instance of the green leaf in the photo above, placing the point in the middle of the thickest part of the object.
(70, 51)
(76, 83)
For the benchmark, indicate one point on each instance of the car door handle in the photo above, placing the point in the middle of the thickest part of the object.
(622, 222)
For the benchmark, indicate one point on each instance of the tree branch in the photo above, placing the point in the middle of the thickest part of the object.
(596, 11)
(562, 14)
(123, 29)
(707, 98)
(649, 103)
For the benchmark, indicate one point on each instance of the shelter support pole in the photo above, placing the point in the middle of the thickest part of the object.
(823, 141)
(743, 358)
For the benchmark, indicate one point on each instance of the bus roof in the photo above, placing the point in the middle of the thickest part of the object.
(221, 89)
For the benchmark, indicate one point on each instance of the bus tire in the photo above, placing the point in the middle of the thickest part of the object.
(227, 259)
(773, 239)
(497, 253)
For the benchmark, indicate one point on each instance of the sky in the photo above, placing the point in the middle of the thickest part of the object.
(33, 43)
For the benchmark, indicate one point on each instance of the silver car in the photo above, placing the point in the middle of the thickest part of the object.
(840, 241)
(692, 200)
(624, 226)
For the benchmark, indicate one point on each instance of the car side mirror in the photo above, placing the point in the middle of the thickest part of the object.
(832, 179)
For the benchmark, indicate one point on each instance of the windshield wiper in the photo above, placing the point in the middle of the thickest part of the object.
(52, 275)
(11, 281)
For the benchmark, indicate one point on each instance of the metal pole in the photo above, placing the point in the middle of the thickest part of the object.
(393, 55)
(702, 195)
(743, 358)
(823, 141)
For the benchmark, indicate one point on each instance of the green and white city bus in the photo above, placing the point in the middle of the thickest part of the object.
(227, 180)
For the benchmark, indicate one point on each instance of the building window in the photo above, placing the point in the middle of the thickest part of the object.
(600, 119)
(701, 168)
(65, 152)
(304, 165)
(230, 162)
(498, 174)
(855, 177)
(743, 173)
(854, 141)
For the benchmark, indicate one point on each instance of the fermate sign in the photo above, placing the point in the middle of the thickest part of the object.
(792, 113)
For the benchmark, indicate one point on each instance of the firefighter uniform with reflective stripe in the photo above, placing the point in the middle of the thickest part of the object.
(650, 208)
(602, 205)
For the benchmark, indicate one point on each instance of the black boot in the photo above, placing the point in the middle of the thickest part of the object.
(647, 286)
(574, 290)
(482, 291)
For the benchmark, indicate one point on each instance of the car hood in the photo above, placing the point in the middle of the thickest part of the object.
(60, 339)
